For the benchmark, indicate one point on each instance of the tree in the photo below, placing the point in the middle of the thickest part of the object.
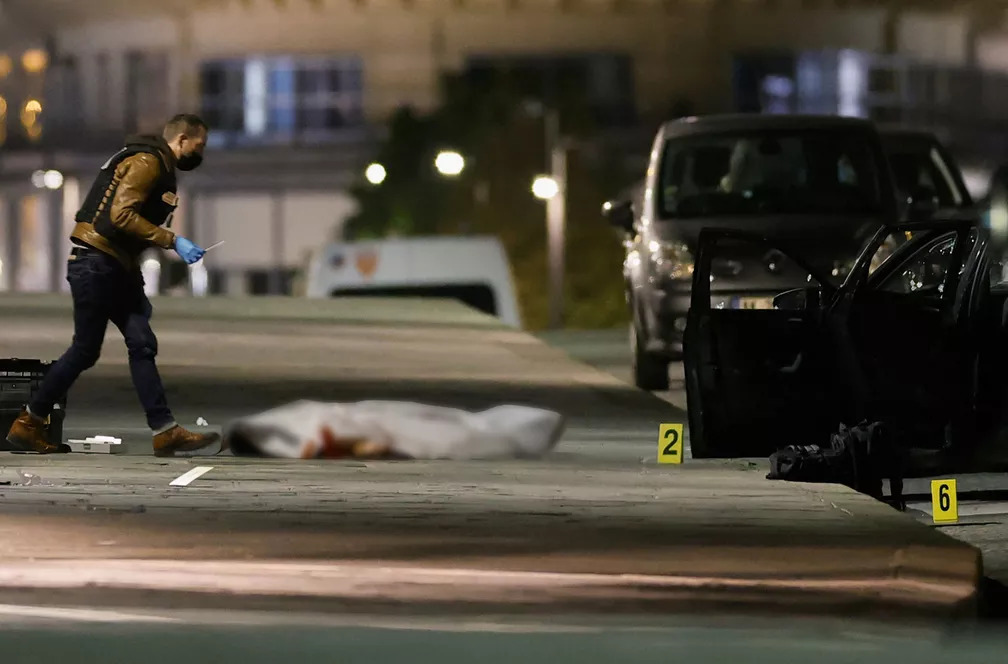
(504, 146)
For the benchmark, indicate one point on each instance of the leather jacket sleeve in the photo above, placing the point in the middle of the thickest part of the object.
(137, 176)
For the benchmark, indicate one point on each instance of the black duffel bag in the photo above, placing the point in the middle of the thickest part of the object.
(859, 457)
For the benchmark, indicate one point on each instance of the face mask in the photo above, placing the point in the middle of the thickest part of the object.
(188, 162)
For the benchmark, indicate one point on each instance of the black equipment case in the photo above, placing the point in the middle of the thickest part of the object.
(19, 381)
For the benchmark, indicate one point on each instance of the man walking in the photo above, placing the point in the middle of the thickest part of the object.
(123, 214)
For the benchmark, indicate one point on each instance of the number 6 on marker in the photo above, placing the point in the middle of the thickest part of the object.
(670, 443)
(944, 505)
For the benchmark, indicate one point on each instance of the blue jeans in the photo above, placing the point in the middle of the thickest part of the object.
(103, 290)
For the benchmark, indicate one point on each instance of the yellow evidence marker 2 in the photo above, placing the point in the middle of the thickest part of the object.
(944, 506)
(670, 443)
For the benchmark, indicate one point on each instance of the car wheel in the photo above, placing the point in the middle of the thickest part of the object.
(650, 372)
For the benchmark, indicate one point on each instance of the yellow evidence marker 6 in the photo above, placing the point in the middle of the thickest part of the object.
(670, 443)
(944, 506)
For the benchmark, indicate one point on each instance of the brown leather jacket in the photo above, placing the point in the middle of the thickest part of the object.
(136, 175)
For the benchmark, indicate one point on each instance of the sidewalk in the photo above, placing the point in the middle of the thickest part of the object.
(598, 527)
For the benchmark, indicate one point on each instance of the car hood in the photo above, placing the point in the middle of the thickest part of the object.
(820, 240)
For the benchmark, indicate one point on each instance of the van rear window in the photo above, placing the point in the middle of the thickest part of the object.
(478, 296)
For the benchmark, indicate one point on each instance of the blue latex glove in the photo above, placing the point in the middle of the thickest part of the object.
(189, 251)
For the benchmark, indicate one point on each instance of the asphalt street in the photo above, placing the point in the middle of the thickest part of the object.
(597, 529)
(983, 503)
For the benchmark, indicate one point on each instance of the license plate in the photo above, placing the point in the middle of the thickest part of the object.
(755, 303)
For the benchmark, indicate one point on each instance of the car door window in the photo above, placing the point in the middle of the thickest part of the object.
(892, 242)
(926, 272)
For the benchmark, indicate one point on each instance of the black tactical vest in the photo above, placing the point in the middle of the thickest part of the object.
(157, 209)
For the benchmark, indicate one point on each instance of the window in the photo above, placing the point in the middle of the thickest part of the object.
(146, 90)
(599, 83)
(914, 171)
(926, 271)
(63, 98)
(282, 98)
(749, 274)
(222, 85)
(478, 296)
(103, 89)
(769, 172)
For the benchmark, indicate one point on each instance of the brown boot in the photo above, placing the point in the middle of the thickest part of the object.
(28, 434)
(177, 439)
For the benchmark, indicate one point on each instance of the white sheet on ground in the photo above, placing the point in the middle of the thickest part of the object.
(414, 430)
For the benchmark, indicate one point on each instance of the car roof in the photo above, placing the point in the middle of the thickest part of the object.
(903, 132)
(908, 137)
(742, 121)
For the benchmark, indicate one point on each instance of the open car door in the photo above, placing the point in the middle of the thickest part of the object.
(756, 375)
(896, 342)
(908, 329)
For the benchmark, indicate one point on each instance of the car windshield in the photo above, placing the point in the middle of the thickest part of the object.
(769, 172)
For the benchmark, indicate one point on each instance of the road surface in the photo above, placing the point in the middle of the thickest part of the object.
(983, 517)
(598, 530)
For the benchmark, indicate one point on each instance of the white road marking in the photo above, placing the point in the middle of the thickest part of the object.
(86, 615)
(185, 479)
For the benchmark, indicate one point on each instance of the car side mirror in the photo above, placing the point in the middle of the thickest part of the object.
(619, 214)
(922, 203)
(798, 299)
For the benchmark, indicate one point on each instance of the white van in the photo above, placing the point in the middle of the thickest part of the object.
(473, 270)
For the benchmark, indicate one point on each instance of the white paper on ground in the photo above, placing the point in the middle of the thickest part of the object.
(413, 430)
(97, 445)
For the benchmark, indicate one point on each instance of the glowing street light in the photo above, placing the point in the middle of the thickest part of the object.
(52, 179)
(544, 187)
(47, 180)
(449, 163)
(34, 60)
(375, 173)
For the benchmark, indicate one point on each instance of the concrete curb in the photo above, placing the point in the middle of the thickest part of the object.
(916, 590)
(420, 312)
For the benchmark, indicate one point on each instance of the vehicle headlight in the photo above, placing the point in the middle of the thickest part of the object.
(672, 260)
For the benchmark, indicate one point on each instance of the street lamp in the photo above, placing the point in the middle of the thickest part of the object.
(47, 180)
(52, 180)
(375, 173)
(545, 187)
(449, 163)
(552, 189)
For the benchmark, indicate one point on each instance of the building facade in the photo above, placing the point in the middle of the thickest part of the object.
(297, 90)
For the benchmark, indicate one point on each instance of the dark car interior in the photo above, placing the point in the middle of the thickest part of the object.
(928, 333)
(767, 174)
(909, 339)
(920, 343)
(915, 172)
(760, 371)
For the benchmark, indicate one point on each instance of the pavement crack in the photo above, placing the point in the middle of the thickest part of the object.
(844, 510)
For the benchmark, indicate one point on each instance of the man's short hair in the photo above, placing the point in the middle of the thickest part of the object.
(184, 123)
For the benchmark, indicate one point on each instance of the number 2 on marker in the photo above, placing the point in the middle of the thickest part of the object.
(670, 443)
